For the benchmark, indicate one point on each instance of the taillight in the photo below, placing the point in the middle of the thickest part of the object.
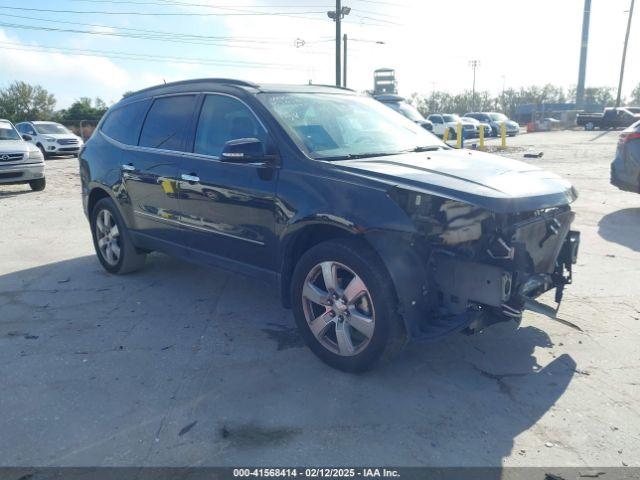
(627, 137)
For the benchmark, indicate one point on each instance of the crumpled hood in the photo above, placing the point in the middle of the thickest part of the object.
(490, 181)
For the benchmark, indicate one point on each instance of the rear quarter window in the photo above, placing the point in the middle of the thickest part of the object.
(123, 123)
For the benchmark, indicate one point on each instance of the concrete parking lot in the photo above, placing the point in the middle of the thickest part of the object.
(180, 365)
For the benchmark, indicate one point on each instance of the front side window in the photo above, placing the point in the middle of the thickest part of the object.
(167, 123)
(223, 119)
(451, 118)
(7, 132)
(498, 117)
(51, 128)
(123, 123)
(333, 126)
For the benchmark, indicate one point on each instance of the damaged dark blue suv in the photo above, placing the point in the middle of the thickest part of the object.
(375, 231)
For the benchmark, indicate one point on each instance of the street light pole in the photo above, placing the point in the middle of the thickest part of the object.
(624, 53)
(344, 66)
(474, 64)
(337, 17)
(338, 28)
(582, 71)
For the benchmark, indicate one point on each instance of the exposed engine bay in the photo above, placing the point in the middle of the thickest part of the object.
(494, 264)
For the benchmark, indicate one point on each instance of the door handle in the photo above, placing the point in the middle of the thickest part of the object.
(191, 178)
(128, 168)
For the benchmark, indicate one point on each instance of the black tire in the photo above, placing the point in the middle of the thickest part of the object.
(38, 184)
(44, 153)
(130, 259)
(452, 134)
(388, 336)
(589, 126)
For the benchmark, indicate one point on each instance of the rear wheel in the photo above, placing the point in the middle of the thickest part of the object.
(345, 306)
(38, 184)
(112, 241)
(589, 126)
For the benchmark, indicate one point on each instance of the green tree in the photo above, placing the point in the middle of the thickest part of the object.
(635, 96)
(83, 108)
(21, 101)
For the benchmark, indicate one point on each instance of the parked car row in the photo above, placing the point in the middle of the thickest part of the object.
(439, 123)
(20, 161)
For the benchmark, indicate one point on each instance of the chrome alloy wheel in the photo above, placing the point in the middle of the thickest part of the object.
(338, 308)
(108, 237)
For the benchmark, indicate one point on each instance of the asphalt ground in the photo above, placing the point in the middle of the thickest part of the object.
(181, 365)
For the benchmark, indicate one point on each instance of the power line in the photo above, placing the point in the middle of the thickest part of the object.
(144, 31)
(202, 5)
(144, 57)
(235, 12)
(378, 2)
(213, 42)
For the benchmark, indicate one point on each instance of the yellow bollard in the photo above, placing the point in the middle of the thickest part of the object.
(445, 135)
(459, 135)
(481, 137)
(503, 134)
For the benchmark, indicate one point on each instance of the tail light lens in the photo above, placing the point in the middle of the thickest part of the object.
(627, 137)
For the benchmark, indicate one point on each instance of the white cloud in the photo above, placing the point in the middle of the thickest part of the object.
(90, 75)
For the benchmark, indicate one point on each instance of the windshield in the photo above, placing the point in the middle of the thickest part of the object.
(332, 127)
(634, 109)
(451, 118)
(407, 110)
(498, 117)
(49, 128)
(7, 132)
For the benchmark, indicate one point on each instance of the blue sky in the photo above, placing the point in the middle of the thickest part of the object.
(429, 43)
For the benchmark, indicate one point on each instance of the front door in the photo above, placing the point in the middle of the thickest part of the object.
(227, 209)
(150, 170)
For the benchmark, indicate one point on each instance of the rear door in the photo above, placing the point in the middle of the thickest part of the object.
(150, 170)
(227, 209)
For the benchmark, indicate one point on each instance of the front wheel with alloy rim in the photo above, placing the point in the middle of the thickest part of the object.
(112, 241)
(345, 306)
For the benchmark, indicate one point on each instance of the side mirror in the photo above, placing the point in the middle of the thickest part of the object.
(243, 150)
(27, 137)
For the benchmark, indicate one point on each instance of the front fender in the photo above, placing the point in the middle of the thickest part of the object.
(408, 272)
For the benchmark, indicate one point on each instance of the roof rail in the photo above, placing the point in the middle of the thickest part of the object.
(228, 81)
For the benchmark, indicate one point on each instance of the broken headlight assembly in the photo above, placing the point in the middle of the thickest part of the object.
(442, 221)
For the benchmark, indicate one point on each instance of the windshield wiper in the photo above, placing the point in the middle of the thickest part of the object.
(353, 156)
(426, 148)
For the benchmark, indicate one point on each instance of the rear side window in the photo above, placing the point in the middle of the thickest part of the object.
(167, 122)
(222, 119)
(123, 123)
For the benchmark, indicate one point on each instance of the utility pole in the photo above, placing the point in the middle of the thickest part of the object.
(624, 53)
(474, 64)
(344, 61)
(583, 55)
(337, 17)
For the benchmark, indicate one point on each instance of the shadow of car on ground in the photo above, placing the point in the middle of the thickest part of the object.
(622, 227)
(179, 364)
